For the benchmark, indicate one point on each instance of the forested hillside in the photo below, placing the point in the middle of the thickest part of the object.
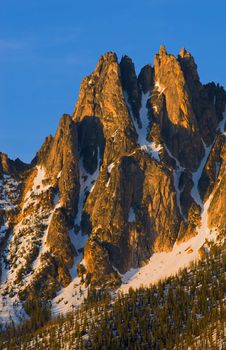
(182, 312)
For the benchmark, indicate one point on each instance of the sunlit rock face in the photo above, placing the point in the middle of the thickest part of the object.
(178, 121)
(126, 176)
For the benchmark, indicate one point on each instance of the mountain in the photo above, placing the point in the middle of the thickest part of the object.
(130, 189)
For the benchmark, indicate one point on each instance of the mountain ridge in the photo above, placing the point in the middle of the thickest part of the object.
(125, 177)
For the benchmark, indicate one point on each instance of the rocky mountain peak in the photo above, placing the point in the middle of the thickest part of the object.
(42, 153)
(170, 80)
(146, 78)
(109, 57)
(11, 167)
(130, 85)
(5, 164)
(138, 167)
(61, 162)
(162, 50)
(184, 53)
(101, 96)
(189, 67)
(178, 122)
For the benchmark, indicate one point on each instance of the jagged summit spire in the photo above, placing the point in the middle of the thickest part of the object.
(125, 58)
(162, 50)
(184, 53)
(109, 57)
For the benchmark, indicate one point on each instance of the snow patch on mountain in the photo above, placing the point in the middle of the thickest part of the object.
(36, 265)
(159, 88)
(176, 176)
(110, 167)
(163, 265)
(11, 310)
(74, 294)
(8, 192)
(8, 196)
(10, 306)
(149, 147)
(152, 149)
(196, 175)
(37, 188)
(87, 183)
(23, 249)
(132, 216)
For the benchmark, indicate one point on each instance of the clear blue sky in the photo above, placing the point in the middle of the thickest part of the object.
(47, 46)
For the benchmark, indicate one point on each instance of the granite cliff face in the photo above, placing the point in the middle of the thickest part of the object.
(135, 170)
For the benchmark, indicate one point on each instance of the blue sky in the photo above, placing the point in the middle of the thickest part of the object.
(48, 46)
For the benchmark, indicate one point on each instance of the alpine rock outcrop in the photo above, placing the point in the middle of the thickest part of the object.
(138, 169)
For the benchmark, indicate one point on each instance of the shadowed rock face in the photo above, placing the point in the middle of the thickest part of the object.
(118, 175)
(91, 142)
(212, 184)
(146, 78)
(208, 101)
(131, 86)
(213, 166)
(61, 162)
(179, 126)
(10, 167)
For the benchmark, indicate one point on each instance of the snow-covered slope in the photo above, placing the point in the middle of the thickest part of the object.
(162, 265)
(142, 132)
(73, 295)
(159, 267)
(26, 242)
